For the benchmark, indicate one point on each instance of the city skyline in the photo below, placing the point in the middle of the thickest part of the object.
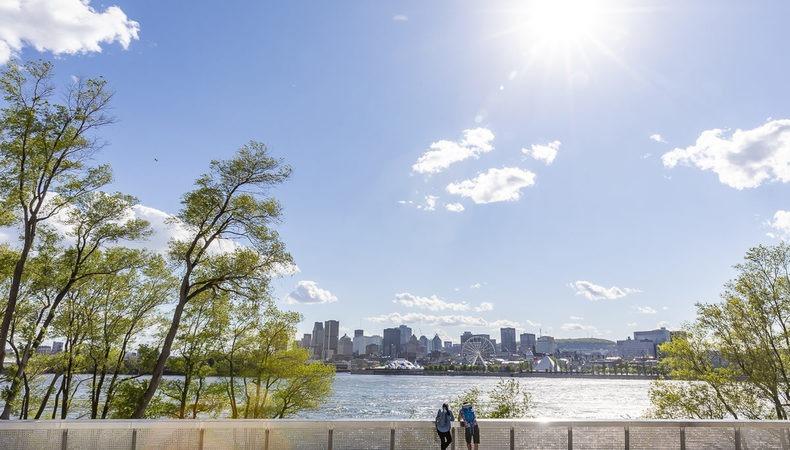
(450, 173)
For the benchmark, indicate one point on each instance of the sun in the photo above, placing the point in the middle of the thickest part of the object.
(564, 21)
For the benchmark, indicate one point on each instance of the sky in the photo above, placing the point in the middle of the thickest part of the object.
(576, 168)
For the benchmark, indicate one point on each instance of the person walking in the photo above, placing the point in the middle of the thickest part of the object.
(444, 420)
(469, 422)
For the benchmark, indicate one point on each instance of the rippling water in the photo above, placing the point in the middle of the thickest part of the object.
(419, 397)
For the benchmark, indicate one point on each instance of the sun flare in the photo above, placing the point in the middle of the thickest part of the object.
(564, 21)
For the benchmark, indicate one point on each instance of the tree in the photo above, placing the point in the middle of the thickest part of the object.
(43, 150)
(506, 400)
(93, 221)
(231, 246)
(733, 361)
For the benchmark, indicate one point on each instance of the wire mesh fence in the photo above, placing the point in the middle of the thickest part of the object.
(390, 434)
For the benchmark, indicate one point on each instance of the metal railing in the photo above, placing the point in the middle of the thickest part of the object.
(390, 434)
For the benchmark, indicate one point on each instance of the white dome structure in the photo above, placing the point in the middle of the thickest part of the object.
(402, 364)
(545, 364)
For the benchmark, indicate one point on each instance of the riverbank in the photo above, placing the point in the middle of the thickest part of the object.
(575, 375)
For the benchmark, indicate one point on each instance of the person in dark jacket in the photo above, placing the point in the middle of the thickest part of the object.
(444, 420)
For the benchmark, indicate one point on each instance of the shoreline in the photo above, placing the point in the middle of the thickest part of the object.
(428, 373)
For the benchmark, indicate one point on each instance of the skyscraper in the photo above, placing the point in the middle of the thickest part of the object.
(527, 342)
(331, 328)
(344, 346)
(317, 342)
(465, 336)
(306, 338)
(391, 343)
(436, 343)
(405, 334)
(508, 342)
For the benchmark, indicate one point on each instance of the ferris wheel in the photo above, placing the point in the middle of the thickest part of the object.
(477, 350)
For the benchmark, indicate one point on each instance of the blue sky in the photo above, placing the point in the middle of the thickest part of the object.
(619, 231)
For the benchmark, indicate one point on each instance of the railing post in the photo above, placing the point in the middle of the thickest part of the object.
(266, 439)
(134, 438)
(682, 438)
(627, 438)
(392, 438)
(512, 439)
(329, 444)
(201, 436)
(737, 438)
(452, 435)
(64, 439)
(570, 438)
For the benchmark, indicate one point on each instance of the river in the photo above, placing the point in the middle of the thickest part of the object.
(419, 397)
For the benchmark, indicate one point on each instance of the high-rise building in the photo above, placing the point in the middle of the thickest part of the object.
(317, 342)
(359, 333)
(527, 342)
(405, 334)
(657, 336)
(306, 338)
(331, 329)
(436, 343)
(636, 348)
(390, 345)
(465, 336)
(344, 346)
(545, 345)
(508, 336)
(448, 345)
(423, 344)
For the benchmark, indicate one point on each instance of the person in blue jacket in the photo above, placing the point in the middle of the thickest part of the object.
(444, 420)
(469, 422)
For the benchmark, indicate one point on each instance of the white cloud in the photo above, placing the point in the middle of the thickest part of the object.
(630, 324)
(61, 27)
(592, 291)
(308, 292)
(574, 326)
(545, 153)
(657, 138)
(662, 323)
(454, 207)
(430, 203)
(576, 318)
(440, 155)
(476, 286)
(646, 310)
(448, 320)
(435, 303)
(780, 224)
(744, 159)
(494, 185)
(400, 18)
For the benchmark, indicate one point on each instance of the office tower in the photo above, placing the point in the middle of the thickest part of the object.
(391, 343)
(317, 342)
(405, 334)
(331, 329)
(508, 341)
(527, 342)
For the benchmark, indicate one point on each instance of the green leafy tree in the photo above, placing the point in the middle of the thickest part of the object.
(44, 147)
(227, 208)
(734, 360)
(506, 400)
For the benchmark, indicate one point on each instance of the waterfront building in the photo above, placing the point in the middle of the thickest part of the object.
(391, 343)
(331, 329)
(345, 347)
(45, 349)
(545, 345)
(423, 345)
(412, 348)
(633, 348)
(306, 338)
(405, 334)
(317, 342)
(465, 336)
(508, 336)
(57, 347)
(657, 336)
(372, 349)
(436, 343)
(527, 342)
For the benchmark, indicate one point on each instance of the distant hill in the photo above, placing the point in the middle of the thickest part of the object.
(584, 344)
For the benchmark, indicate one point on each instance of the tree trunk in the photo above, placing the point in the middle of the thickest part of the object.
(13, 291)
(159, 369)
(47, 394)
